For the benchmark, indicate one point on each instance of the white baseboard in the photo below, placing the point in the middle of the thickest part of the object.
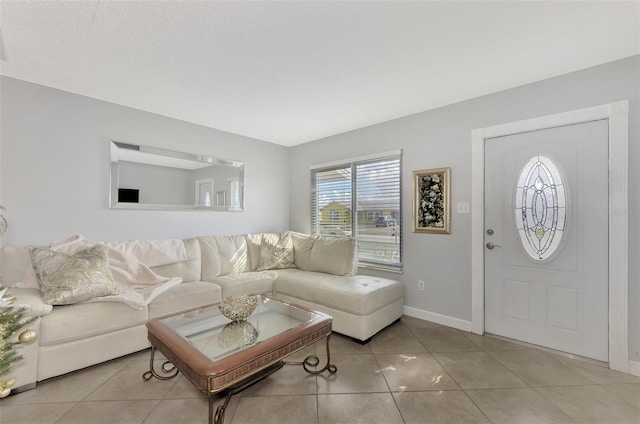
(458, 323)
(634, 368)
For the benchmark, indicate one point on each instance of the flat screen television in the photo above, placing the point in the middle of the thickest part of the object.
(128, 195)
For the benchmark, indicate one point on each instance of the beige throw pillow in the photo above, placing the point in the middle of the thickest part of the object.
(276, 253)
(66, 279)
(302, 245)
(334, 255)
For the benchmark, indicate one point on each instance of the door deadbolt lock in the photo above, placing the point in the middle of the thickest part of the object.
(490, 231)
(492, 246)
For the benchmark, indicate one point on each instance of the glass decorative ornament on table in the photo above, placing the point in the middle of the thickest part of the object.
(238, 334)
(238, 308)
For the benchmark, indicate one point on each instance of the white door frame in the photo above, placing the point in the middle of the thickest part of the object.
(199, 184)
(618, 115)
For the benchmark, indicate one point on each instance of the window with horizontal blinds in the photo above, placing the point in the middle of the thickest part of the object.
(361, 199)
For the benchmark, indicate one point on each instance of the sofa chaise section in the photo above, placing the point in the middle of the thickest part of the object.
(360, 305)
(325, 279)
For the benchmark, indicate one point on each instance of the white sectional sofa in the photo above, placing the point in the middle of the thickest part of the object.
(313, 271)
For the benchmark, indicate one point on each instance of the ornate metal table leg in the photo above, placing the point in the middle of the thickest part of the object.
(239, 387)
(219, 415)
(312, 361)
(167, 368)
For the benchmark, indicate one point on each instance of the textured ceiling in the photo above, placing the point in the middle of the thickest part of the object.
(289, 72)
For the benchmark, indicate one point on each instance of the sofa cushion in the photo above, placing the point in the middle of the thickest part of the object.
(254, 242)
(222, 255)
(189, 269)
(151, 252)
(185, 296)
(245, 283)
(359, 294)
(333, 255)
(66, 279)
(302, 245)
(276, 253)
(74, 322)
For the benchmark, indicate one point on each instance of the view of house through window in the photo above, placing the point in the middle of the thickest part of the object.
(361, 199)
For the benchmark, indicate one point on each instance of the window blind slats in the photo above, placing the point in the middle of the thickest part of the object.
(361, 199)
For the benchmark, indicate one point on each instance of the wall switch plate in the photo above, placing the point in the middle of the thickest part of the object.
(463, 207)
(420, 285)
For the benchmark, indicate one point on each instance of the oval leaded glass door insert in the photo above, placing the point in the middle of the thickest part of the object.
(540, 208)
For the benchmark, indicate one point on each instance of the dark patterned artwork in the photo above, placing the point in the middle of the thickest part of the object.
(431, 209)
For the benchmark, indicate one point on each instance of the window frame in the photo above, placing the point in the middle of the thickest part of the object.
(352, 164)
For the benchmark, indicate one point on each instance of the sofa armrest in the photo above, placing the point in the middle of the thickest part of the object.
(31, 301)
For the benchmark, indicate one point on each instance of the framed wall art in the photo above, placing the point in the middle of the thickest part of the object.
(431, 201)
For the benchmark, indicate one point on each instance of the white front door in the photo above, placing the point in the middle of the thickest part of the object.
(546, 238)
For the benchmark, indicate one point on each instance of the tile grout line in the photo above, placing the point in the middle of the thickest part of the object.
(375, 357)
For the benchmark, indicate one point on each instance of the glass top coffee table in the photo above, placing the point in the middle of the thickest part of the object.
(219, 355)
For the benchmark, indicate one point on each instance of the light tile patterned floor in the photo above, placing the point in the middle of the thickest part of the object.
(413, 372)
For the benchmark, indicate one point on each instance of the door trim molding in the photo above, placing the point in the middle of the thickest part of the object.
(617, 114)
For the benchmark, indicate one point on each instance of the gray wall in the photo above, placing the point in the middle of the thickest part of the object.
(54, 170)
(442, 137)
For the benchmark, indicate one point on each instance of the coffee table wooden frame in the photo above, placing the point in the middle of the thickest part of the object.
(242, 369)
